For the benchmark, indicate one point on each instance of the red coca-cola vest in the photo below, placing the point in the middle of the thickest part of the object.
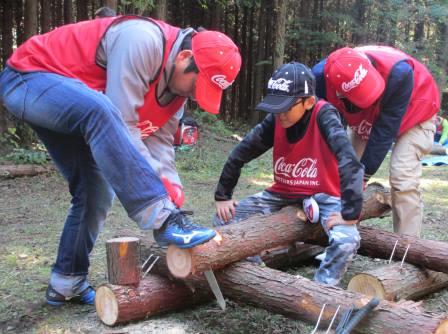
(424, 102)
(306, 167)
(71, 51)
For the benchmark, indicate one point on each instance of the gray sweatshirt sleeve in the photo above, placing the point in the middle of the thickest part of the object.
(132, 52)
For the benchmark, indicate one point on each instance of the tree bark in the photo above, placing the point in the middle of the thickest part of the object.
(395, 282)
(68, 11)
(300, 298)
(160, 10)
(30, 18)
(427, 253)
(154, 295)
(280, 32)
(11, 171)
(123, 262)
(45, 16)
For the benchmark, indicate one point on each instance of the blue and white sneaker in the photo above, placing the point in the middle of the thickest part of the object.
(178, 230)
(54, 298)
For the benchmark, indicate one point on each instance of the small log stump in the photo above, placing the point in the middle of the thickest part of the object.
(123, 261)
(393, 282)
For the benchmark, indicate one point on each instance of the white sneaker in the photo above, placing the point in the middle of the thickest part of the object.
(311, 210)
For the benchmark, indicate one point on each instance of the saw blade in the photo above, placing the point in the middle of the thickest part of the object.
(211, 279)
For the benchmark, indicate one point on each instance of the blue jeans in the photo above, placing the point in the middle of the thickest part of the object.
(343, 239)
(90, 145)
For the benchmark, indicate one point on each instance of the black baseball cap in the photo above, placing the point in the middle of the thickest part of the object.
(288, 83)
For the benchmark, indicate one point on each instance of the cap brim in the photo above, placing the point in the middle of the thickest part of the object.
(276, 104)
(360, 98)
(208, 95)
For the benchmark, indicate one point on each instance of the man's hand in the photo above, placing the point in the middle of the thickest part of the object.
(174, 191)
(225, 209)
(336, 219)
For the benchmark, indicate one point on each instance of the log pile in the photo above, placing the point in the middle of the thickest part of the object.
(180, 273)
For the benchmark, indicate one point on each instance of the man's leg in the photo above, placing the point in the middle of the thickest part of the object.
(405, 173)
(91, 199)
(343, 243)
(262, 203)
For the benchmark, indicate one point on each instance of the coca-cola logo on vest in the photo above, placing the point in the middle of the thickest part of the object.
(363, 129)
(305, 168)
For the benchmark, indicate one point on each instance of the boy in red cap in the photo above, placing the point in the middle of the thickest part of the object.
(385, 96)
(313, 162)
(105, 97)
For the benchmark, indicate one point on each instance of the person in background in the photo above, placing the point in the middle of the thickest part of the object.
(385, 96)
(441, 135)
(105, 97)
(105, 12)
(313, 162)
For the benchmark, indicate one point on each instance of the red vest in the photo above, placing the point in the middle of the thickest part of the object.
(307, 167)
(424, 102)
(71, 50)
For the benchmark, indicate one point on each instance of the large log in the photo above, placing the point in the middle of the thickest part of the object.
(259, 233)
(117, 304)
(237, 241)
(11, 171)
(300, 298)
(395, 282)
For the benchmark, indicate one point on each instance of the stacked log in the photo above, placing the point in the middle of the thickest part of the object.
(398, 281)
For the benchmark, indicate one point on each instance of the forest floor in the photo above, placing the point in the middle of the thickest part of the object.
(32, 212)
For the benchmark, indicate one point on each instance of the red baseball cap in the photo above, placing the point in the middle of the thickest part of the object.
(219, 61)
(352, 75)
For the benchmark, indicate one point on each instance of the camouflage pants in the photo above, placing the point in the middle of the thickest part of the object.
(343, 239)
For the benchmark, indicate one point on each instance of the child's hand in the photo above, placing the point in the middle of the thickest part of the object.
(336, 219)
(225, 209)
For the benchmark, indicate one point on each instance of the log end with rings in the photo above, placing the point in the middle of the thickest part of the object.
(179, 261)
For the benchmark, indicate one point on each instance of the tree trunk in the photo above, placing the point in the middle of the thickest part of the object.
(30, 18)
(7, 30)
(82, 10)
(280, 32)
(45, 16)
(160, 10)
(260, 63)
(300, 298)
(68, 11)
(123, 262)
(395, 282)
(154, 295)
(11, 171)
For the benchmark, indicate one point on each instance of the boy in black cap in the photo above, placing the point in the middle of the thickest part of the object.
(313, 163)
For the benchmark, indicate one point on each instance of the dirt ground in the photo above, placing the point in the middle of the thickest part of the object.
(32, 212)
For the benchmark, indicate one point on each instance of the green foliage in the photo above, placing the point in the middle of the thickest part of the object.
(211, 123)
(10, 138)
(24, 156)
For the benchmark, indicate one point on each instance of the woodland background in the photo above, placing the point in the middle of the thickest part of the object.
(267, 32)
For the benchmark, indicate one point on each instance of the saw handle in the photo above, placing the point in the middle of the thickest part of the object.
(360, 314)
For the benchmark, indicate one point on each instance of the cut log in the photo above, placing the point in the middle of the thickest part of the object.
(377, 201)
(430, 254)
(117, 304)
(395, 282)
(123, 260)
(300, 298)
(11, 171)
(259, 233)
